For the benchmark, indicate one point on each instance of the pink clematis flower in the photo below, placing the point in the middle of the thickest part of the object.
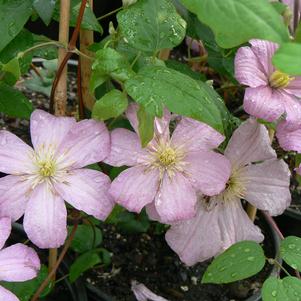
(221, 220)
(289, 140)
(270, 92)
(44, 176)
(17, 263)
(167, 173)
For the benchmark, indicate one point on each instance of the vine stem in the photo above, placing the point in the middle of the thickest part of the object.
(110, 13)
(50, 43)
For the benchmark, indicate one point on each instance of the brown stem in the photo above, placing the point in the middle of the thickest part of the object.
(52, 261)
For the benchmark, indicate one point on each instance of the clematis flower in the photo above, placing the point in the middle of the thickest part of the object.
(167, 173)
(289, 140)
(270, 92)
(221, 220)
(17, 263)
(42, 177)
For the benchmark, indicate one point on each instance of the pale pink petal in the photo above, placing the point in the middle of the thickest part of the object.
(48, 130)
(294, 87)
(249, 143)
(87, 142)
(263, 102)
(135, 187)
(152, 212)
(125, 148)
(293, 111)
(87, 190)
(45, 219)
(18, 263)
(248, 70)
(264, 51)
(208, 170)
(192, 135)
(5, 229)
(298, 170)
(176, 199)
(131, 114)
(267, 185)
(6, 295)
(289, 140)
(14, 195)
(142, 293)
(15, 155)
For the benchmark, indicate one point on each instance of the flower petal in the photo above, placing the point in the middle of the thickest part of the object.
(264, 103)
(267, 185)
(135, 187)
(142, 293)
(47, 129)
(248, 70)
(87, 142)
(249, 143)
(192, 135)
(289, 140)
(176, 199)
(294, 87)
(15, 155)
(125, 148)
(292, 107)
(5, 229)
(45, 219)
(152, 212)
(87, 190)
(131, 114)
(7, 295)
(18, 263)
(209, 171)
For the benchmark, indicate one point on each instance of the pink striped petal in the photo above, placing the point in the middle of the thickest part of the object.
(7, 295)
(293, 111)
(131, 114)
(294, 87)
(5, 229)
(289, 140)
(142, 293)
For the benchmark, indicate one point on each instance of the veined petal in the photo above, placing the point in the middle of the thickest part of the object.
(7, 295)
(142, 293)
(289, 140)
(135, 187)
(176, 199)
(45, 219)
(152, 212)
(208, 170)
(18, 263)
(5, 229)
(131, 114)
(87, 190)
(292, 107)
(267, 185)
(15, 155)
(249, 143)
(294, 87)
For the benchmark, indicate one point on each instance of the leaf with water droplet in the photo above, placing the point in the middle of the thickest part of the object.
(290, 251)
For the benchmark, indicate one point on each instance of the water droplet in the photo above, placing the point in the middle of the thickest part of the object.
(291, 246)
(221, 269)
(274, 293)
(247, 250)
(233, 274)
(251, 258)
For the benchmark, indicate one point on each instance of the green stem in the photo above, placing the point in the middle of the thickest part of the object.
(275, 262)
(54, 43)
(110, 13)
(80, 53)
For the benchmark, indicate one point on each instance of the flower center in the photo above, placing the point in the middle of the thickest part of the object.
(167, 157)
(279, 79)
(46, 168)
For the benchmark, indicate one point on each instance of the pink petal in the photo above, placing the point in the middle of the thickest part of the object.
(209, 171)
(267, 186)
(263, 102)
(248, 70)
(152, 212)
(15, 155)
(294, 87)
(87, 190)
(18, 263)
(176, 199)
(142, 293)
(289, 140)
(192, 135)
(298, 170)
(87, 142)
(264, 51)
(125, 148)
(135, 187)
(47, 129)
(249, 143)
(45, 218)
(293, 111)
(14, 195)
(5, 229)
(7, 295)
(131, 114)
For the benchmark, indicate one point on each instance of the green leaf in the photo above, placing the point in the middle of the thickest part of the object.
(288, 58)
(279, 7)
(240, 261)
(237, 21)
(151, 25)
(111, 105)
(286, 289)
(12, 67)
(13, 16)
(86, 238)
(47, 53)
(290, 250)
(83, 263)
(146, 125)
(155, 87)
(45, 9)
(13, 103)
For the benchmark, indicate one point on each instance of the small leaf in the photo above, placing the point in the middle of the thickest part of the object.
(146, 125)
(45, 9)
(242, 260)
(290, 250)
(111, 105)
(13, 67)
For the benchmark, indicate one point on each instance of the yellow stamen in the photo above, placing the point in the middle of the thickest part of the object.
(280, 80)
(167, 156)
(46, 169)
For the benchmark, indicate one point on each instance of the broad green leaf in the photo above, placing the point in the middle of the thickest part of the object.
(98, 77)
(286, 289)
(151, 25)
(86, 238)
(13, 67)
(242, 260)
(13, 103)
(13, 16)
(288, 58)
(290, 250)
(279, 7)
(237, 21)
(146, 125)
(47, 53)
(45, 9)
(111, 105)
(155, 87)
